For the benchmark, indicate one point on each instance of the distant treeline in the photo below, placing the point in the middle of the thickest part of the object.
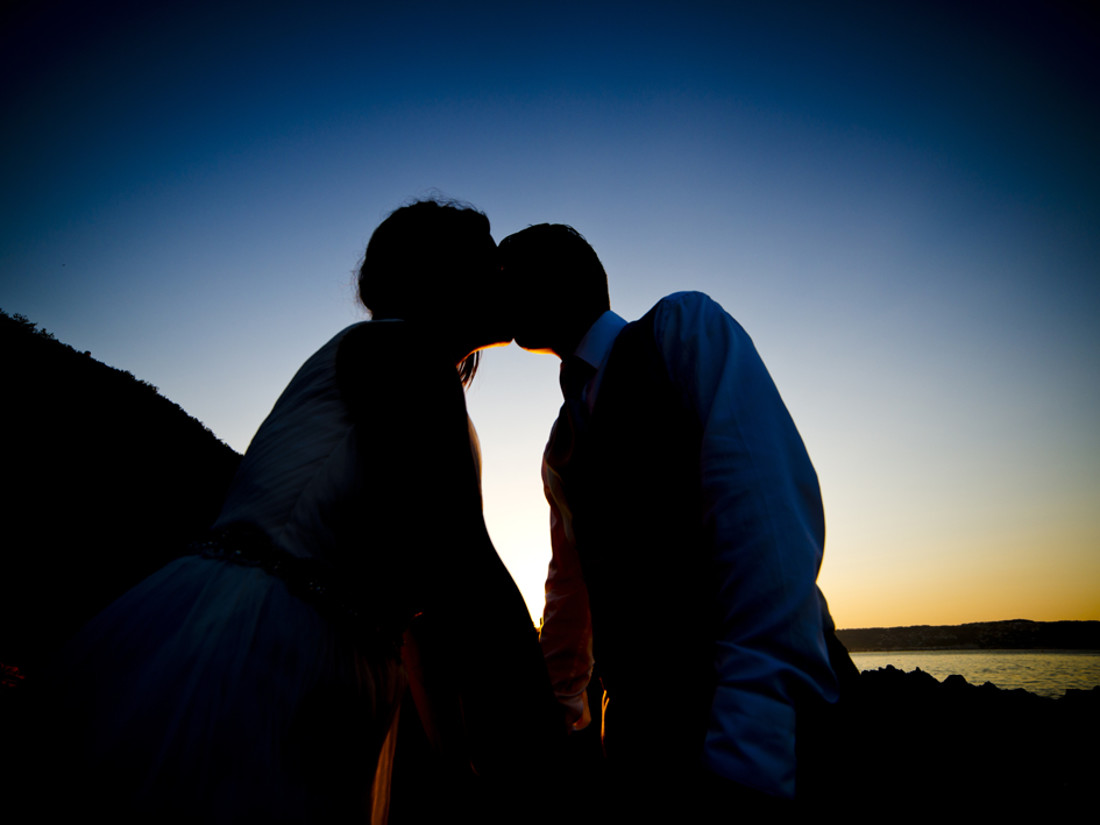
(1016, 634)
(106, 481)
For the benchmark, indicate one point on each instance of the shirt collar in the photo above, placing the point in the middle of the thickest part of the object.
(595, 346)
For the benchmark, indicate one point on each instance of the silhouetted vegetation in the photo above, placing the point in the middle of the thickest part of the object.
(107, 481)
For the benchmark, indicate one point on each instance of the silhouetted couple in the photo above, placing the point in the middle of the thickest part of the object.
(261, 677)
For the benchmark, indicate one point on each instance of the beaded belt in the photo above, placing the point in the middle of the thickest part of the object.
(311, 580)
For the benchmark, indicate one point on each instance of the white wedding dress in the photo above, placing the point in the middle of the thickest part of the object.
(211, 691)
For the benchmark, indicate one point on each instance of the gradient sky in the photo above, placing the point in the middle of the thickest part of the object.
(898, 201)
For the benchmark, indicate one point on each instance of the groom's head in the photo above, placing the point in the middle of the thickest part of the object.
(560, 286)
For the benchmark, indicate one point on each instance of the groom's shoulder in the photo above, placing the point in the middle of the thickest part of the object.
(677, 324)
(688, 297)
(689, 300)
(683, 313)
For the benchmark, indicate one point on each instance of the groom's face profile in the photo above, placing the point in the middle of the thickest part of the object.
(533, 294)
(534, 303)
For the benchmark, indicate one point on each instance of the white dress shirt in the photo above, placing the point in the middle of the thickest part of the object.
(758, 485)
(566, 636)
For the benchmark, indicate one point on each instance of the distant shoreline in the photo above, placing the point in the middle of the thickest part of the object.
(959, 649)
(1014, 634)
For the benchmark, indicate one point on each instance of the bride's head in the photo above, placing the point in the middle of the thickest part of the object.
(435, 263)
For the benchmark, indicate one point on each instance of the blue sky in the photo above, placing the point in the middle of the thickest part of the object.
(899, 202)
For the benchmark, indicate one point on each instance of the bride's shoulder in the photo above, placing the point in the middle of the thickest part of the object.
(381, 343)
(374, 330)
(389, 354)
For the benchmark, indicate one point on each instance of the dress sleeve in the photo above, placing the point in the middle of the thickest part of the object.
(763, 516)
(566, 636)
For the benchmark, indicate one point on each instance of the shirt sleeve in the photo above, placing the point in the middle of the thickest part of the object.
(566, 636)
(763, 516)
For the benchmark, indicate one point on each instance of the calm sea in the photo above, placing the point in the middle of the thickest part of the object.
(1043, 672)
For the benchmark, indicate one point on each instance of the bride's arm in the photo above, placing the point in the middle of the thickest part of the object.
(477, 647)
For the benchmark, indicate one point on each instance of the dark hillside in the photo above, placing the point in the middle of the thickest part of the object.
(106, 481)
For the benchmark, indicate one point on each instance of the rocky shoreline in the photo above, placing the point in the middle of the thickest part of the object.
(907, 739)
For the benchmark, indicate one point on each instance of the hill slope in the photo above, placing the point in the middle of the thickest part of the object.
(107, 481)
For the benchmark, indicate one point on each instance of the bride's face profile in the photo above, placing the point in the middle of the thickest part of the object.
(484, 306)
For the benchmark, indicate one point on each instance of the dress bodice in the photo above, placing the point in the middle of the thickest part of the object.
(365, 462)
(299, 472)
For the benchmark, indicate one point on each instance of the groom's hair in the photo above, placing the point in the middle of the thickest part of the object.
(554, 253)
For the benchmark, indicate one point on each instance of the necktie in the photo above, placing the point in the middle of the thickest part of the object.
(575, 375)
(573, 418)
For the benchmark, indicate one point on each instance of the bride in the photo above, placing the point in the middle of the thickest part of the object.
(260, 678)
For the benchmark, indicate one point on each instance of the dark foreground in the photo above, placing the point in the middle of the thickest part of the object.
(911, 741)
(903, 742)
(906, 742)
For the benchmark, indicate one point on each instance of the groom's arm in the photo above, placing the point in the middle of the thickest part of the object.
(566, 636)
(763, 516)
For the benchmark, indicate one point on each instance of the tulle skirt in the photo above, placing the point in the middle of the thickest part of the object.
(209, 693)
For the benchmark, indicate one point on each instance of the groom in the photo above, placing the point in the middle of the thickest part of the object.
(687, 532)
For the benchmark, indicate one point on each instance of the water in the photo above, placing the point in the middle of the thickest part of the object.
(1046, 673)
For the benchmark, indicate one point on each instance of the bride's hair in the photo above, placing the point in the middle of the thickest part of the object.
(418, 259)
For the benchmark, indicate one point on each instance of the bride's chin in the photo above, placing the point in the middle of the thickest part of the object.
(496, 342)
